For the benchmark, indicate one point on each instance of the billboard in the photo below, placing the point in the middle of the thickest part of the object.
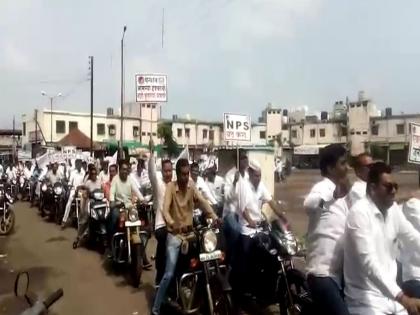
(414, 151)
(151, 88)
(236, 127)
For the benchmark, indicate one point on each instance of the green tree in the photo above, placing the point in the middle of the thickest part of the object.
(165, 132)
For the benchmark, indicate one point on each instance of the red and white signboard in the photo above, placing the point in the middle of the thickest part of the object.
(236, 127)
(151, 88)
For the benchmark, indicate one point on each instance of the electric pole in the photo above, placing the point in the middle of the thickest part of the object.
(91, 104)
(122, 93)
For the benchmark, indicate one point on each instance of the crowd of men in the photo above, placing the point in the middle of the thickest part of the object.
(356, 231)
(356, 235)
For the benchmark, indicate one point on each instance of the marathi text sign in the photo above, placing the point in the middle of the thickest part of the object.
(414, 152)
(151, 88)
(236, 127)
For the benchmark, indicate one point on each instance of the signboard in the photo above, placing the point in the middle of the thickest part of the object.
(414, 151)
(151, 88)
(236, 127)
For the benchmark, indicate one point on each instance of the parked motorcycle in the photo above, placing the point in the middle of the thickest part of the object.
(37, 307)
(129, 242)
(274, 277)
(7, 216)
(201, 281)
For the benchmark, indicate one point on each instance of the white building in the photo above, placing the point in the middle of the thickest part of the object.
(106, 127)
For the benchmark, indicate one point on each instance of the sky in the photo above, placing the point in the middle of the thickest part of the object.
(219, 55)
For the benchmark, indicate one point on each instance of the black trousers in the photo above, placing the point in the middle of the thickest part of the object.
(327, 296)
(160, 257)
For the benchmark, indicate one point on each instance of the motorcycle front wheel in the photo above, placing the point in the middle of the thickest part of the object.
(136, 267)
(7, 222)
(223, 304)
(298, 287)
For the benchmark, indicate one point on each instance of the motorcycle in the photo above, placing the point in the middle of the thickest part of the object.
(274, 277)
(52, 200)
(128, 244)
(7, 216)
(24, 188)
(201, 283)
(98, 213)
(36, 307)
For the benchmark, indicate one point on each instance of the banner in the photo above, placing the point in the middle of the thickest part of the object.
(414, 151)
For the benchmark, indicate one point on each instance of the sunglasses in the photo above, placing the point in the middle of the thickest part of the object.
(390, 186)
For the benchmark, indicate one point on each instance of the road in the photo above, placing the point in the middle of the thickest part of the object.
(90, 286)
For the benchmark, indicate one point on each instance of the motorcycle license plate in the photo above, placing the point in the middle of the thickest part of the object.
(217, 254)
(132, 224)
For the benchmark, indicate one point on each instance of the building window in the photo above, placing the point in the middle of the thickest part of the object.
(179, 132)
(364, 132)
(211, 135)
(352, 133)
(135, 131)
(153, 106)
(352, 105)
(205, 131)
(100, 129)
(322, 132)
(72, 125)
(284, 127)
(154, 134)
(143, 105)
(344, 131)
(400, 129)
(187, 132)
(262, 134)
(148, 106)
(60, 126)
(143, 133)
(358, 132)
(312, 133)
(294, 133)
(24, 129)
(374, 130)
(111, 130)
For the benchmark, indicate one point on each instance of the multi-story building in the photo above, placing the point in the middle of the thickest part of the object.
(45, 127)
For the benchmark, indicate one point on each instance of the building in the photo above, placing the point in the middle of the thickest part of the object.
(46, 127)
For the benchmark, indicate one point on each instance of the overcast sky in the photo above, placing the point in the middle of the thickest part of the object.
(219, 55)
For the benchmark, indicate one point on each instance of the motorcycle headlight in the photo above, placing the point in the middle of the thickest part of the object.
(44, 187)
(98, 195)
(209, 241)
(133, 215)
(290, 244)
(14, 181)
(58, 190)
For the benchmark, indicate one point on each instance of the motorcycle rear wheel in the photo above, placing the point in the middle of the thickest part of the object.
(136, 267)
(7, 224)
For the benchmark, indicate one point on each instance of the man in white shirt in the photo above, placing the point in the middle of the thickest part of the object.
(159, 189)
(201, 184)
(216, 184)
(231, 226)
(76, 180)
(104, 174)
(252, 195)
(140, 176)
(361, 168)
(411, 263)
(327, 212)
(375, 226)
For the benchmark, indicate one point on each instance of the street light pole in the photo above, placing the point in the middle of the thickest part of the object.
(43, 93)
(122, 91)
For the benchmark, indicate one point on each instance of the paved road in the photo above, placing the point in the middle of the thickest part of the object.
(46, 252)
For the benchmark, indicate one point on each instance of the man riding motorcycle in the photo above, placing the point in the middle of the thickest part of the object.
(181, 198)
(76, 180)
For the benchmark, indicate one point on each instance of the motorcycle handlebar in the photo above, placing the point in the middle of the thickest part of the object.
(54, 297)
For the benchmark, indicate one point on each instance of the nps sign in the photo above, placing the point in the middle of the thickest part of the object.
(151, 88)
(237, 127)
(414, 152)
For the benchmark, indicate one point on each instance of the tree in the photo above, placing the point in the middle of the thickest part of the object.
(165, 132)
